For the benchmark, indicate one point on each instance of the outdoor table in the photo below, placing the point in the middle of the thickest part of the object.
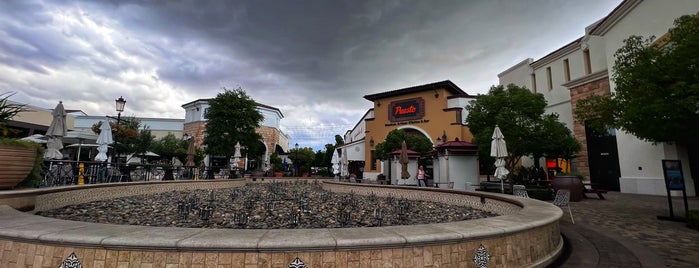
(591, 188)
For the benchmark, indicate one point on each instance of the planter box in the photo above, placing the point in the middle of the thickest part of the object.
(16, 163)
(572, 183)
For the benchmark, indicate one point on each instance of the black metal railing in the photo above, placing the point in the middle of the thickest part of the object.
(65, 172)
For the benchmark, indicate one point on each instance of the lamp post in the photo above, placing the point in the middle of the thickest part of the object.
(296, 159)
(120, 103)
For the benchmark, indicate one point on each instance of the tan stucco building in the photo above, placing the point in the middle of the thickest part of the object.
(433, 110)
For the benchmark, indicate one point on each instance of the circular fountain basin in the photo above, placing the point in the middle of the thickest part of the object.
(525, 235)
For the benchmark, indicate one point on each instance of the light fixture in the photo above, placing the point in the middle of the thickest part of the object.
(120, 103)
(444, 136)
(436, 93)
(371, 142)
(378, 103)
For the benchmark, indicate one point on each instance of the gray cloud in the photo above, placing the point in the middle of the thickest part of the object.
(312, 59)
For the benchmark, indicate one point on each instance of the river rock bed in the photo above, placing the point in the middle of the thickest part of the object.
(278, 205)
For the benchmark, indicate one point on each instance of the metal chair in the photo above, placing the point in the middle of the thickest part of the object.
(562, 200)
(520, 191)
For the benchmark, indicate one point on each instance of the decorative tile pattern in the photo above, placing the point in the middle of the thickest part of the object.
(482, 257)
(297, 263)
(71, 262)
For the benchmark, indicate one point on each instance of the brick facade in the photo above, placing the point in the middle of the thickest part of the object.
(596, 87)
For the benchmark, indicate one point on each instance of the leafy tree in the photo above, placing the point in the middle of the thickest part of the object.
(339, 140)
(170, 147)
(520, 115)
(232, 117)
(303, 158)
(657, 88)
(395, 138)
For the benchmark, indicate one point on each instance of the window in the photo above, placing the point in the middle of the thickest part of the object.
(534, 83)
(586, 58)
(206, 111)
(548, 77)
(459, 119)
(566, 70)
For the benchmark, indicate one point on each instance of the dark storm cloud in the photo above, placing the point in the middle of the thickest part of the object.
(312, 59)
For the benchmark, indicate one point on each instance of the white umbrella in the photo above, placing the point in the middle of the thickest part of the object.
(345, 163)
(55, 133)
(236, 155)
(103, 140)
(335, 162)
(498, 149)
(37, 138)
(80, 138)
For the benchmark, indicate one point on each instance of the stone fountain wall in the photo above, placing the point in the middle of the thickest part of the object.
(527, 234)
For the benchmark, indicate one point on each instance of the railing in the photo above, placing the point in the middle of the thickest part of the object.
(64, 172)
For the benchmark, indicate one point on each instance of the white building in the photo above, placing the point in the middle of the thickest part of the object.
(615, 160)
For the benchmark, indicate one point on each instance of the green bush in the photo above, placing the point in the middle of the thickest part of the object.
(693, 219)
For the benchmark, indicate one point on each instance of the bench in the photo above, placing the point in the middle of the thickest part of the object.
(593, 190)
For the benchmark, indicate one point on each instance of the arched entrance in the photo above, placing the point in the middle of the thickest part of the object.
(257, 156)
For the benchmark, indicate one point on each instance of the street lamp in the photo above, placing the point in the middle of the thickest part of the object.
(120, 103)
(296, 159)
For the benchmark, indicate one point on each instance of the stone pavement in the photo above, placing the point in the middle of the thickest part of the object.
(623, 231)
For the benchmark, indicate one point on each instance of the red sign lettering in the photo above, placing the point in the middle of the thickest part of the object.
(400, 110)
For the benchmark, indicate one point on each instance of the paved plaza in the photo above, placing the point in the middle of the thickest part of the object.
(623, 231)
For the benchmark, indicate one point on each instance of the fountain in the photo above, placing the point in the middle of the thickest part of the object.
(217, 218)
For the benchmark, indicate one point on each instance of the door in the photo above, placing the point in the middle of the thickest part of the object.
(603, 158)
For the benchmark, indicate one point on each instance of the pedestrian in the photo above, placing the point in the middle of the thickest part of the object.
(421, 177)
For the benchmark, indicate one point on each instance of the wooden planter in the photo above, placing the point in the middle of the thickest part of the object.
(15, 164)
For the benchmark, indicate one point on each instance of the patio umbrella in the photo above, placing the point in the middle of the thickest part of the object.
(103, 141)
(237, 155)
(498, 149)
(190, 153)
(335, 163)
(345, 164)
(36, 138)
(284, 165)
(81, 138)
(404, 174)
(55, 133)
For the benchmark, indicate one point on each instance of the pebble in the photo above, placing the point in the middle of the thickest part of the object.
(296, 206)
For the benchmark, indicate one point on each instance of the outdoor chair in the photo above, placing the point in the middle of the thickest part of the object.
(520, 191)
(562, 200)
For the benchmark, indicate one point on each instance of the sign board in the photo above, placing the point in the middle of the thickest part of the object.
(409, 109)
(674, 180)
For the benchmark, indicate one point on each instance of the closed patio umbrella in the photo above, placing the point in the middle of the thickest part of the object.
(103, 140)
(404, 174)
(498, 149)
(55, 133)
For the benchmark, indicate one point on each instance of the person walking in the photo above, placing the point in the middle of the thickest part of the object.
(421, 177)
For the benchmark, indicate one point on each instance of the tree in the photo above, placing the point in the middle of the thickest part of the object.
(339, 140)
(303, 158)
(657, 88)
(232, 117)
(395, 138)
(520, 115)
(170, 147)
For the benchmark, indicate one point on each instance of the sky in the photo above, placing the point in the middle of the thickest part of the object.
(314, 60)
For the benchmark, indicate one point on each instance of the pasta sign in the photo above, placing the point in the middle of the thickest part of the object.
(410, 109)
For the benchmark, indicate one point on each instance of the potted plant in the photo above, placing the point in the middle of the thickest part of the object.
(20, 160)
